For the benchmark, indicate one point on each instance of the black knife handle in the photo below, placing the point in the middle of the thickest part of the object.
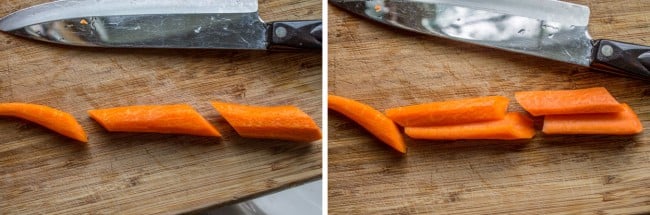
(622, 58)
(307, 34)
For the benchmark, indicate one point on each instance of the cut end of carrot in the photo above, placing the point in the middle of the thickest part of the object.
(281, 122)
(563, 102)
(523, 127)
(450, 112)
(513, 127)
(81, 137)
(400, 147)
(625, 122)
(369, 118)
(94, 115)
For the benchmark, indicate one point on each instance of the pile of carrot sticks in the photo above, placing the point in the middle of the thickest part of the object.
(583, 111)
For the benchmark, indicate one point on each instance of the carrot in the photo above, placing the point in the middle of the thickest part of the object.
(369, 118)
(513, 126)
(562, 102)
(625, 122)
(450, 112)
(169, 119)
(53, 119)
(282, 122)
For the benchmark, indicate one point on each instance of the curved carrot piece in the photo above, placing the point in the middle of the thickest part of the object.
(56, 120)
(282, 123)
(450, 112)
(167, 119)
(561, 102)
(369, 118)
(625, 122)
(513, 126)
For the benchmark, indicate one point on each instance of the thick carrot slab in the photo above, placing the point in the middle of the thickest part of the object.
(625, 122)
(513, 126)
(450, 112)
(562, 102)
(369, 118)
(282, 123)
(166, 119)
(53, 119)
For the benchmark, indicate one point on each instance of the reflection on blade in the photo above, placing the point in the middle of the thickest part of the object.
(218, 31)
(69, 9)
(562, 38)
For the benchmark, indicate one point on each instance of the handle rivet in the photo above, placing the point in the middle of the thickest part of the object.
(281, 32)
(607, 50)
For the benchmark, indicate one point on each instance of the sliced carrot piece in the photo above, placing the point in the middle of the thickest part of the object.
(282, 122)
(56, 120)
(165, 119)
(513, 126)
(450, 112)
(369, 118)
(562, 102)
(625, 122)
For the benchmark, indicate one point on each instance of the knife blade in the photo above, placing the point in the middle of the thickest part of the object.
(549, 29)
(198, 24)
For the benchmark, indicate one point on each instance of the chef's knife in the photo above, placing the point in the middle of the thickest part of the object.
(205, 24)
(545, 28)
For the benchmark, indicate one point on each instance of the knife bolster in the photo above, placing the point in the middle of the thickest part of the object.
(622, 58)
(296, 35)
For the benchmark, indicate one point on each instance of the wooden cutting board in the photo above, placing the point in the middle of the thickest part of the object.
(386, 68)
(44, 173)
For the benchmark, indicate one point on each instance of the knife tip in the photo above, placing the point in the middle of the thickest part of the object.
(5, 24)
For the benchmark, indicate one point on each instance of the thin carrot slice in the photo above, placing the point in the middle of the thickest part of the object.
(625, 122)
(450, 112)
(167, 119)
(369, 118)
(53, 119)
(282, 122)
(562, 102)
(514, 126)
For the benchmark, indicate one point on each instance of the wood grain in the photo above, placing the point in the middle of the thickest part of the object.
(387, 68)
(44, 173)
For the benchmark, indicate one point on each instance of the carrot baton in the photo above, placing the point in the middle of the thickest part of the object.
(369, 118)
(450, 112)
(282, 123)
(168, 119)
(625, 122)
(562, 102)
(53, 119)
(514, 126)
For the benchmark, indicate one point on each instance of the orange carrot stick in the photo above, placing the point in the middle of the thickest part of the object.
(513, 126)
(561, 102)
(625, 122)
(450, 112)
(282, 123)
(56, 120)
(169, 119)
(369, 118)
